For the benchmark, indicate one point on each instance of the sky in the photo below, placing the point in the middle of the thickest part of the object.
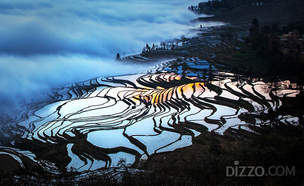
(50, 43)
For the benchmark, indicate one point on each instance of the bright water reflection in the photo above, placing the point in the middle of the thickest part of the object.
(90, 125)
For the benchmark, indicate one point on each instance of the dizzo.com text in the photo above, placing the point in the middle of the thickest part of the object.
(259, 171)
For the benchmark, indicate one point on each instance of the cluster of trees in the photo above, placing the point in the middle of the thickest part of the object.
(214, 5)
(265, 41)
(162, 46)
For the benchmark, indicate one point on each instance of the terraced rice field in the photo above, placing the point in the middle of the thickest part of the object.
(93, 124)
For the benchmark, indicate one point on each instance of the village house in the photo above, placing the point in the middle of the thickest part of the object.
(292, 46)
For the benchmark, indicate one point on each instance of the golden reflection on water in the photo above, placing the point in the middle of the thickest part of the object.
(161, 95)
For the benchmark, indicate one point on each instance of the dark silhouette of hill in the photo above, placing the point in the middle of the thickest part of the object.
(280, 12)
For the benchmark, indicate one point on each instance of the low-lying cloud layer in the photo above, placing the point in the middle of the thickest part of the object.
(88, 27)
(22, 79)
(50, 43)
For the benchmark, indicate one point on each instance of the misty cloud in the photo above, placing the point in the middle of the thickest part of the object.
(45, 44)
(25, 79)
(88, 27)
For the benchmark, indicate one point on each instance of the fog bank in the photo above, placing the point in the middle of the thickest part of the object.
(45, 44)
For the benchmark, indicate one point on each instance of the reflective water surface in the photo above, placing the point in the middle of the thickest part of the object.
(93, 124)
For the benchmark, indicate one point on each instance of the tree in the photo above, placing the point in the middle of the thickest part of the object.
(118, 56)
(255, 22)
(122, 162)
(148, 47)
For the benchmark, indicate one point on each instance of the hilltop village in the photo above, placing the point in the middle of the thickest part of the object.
(292, 46)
